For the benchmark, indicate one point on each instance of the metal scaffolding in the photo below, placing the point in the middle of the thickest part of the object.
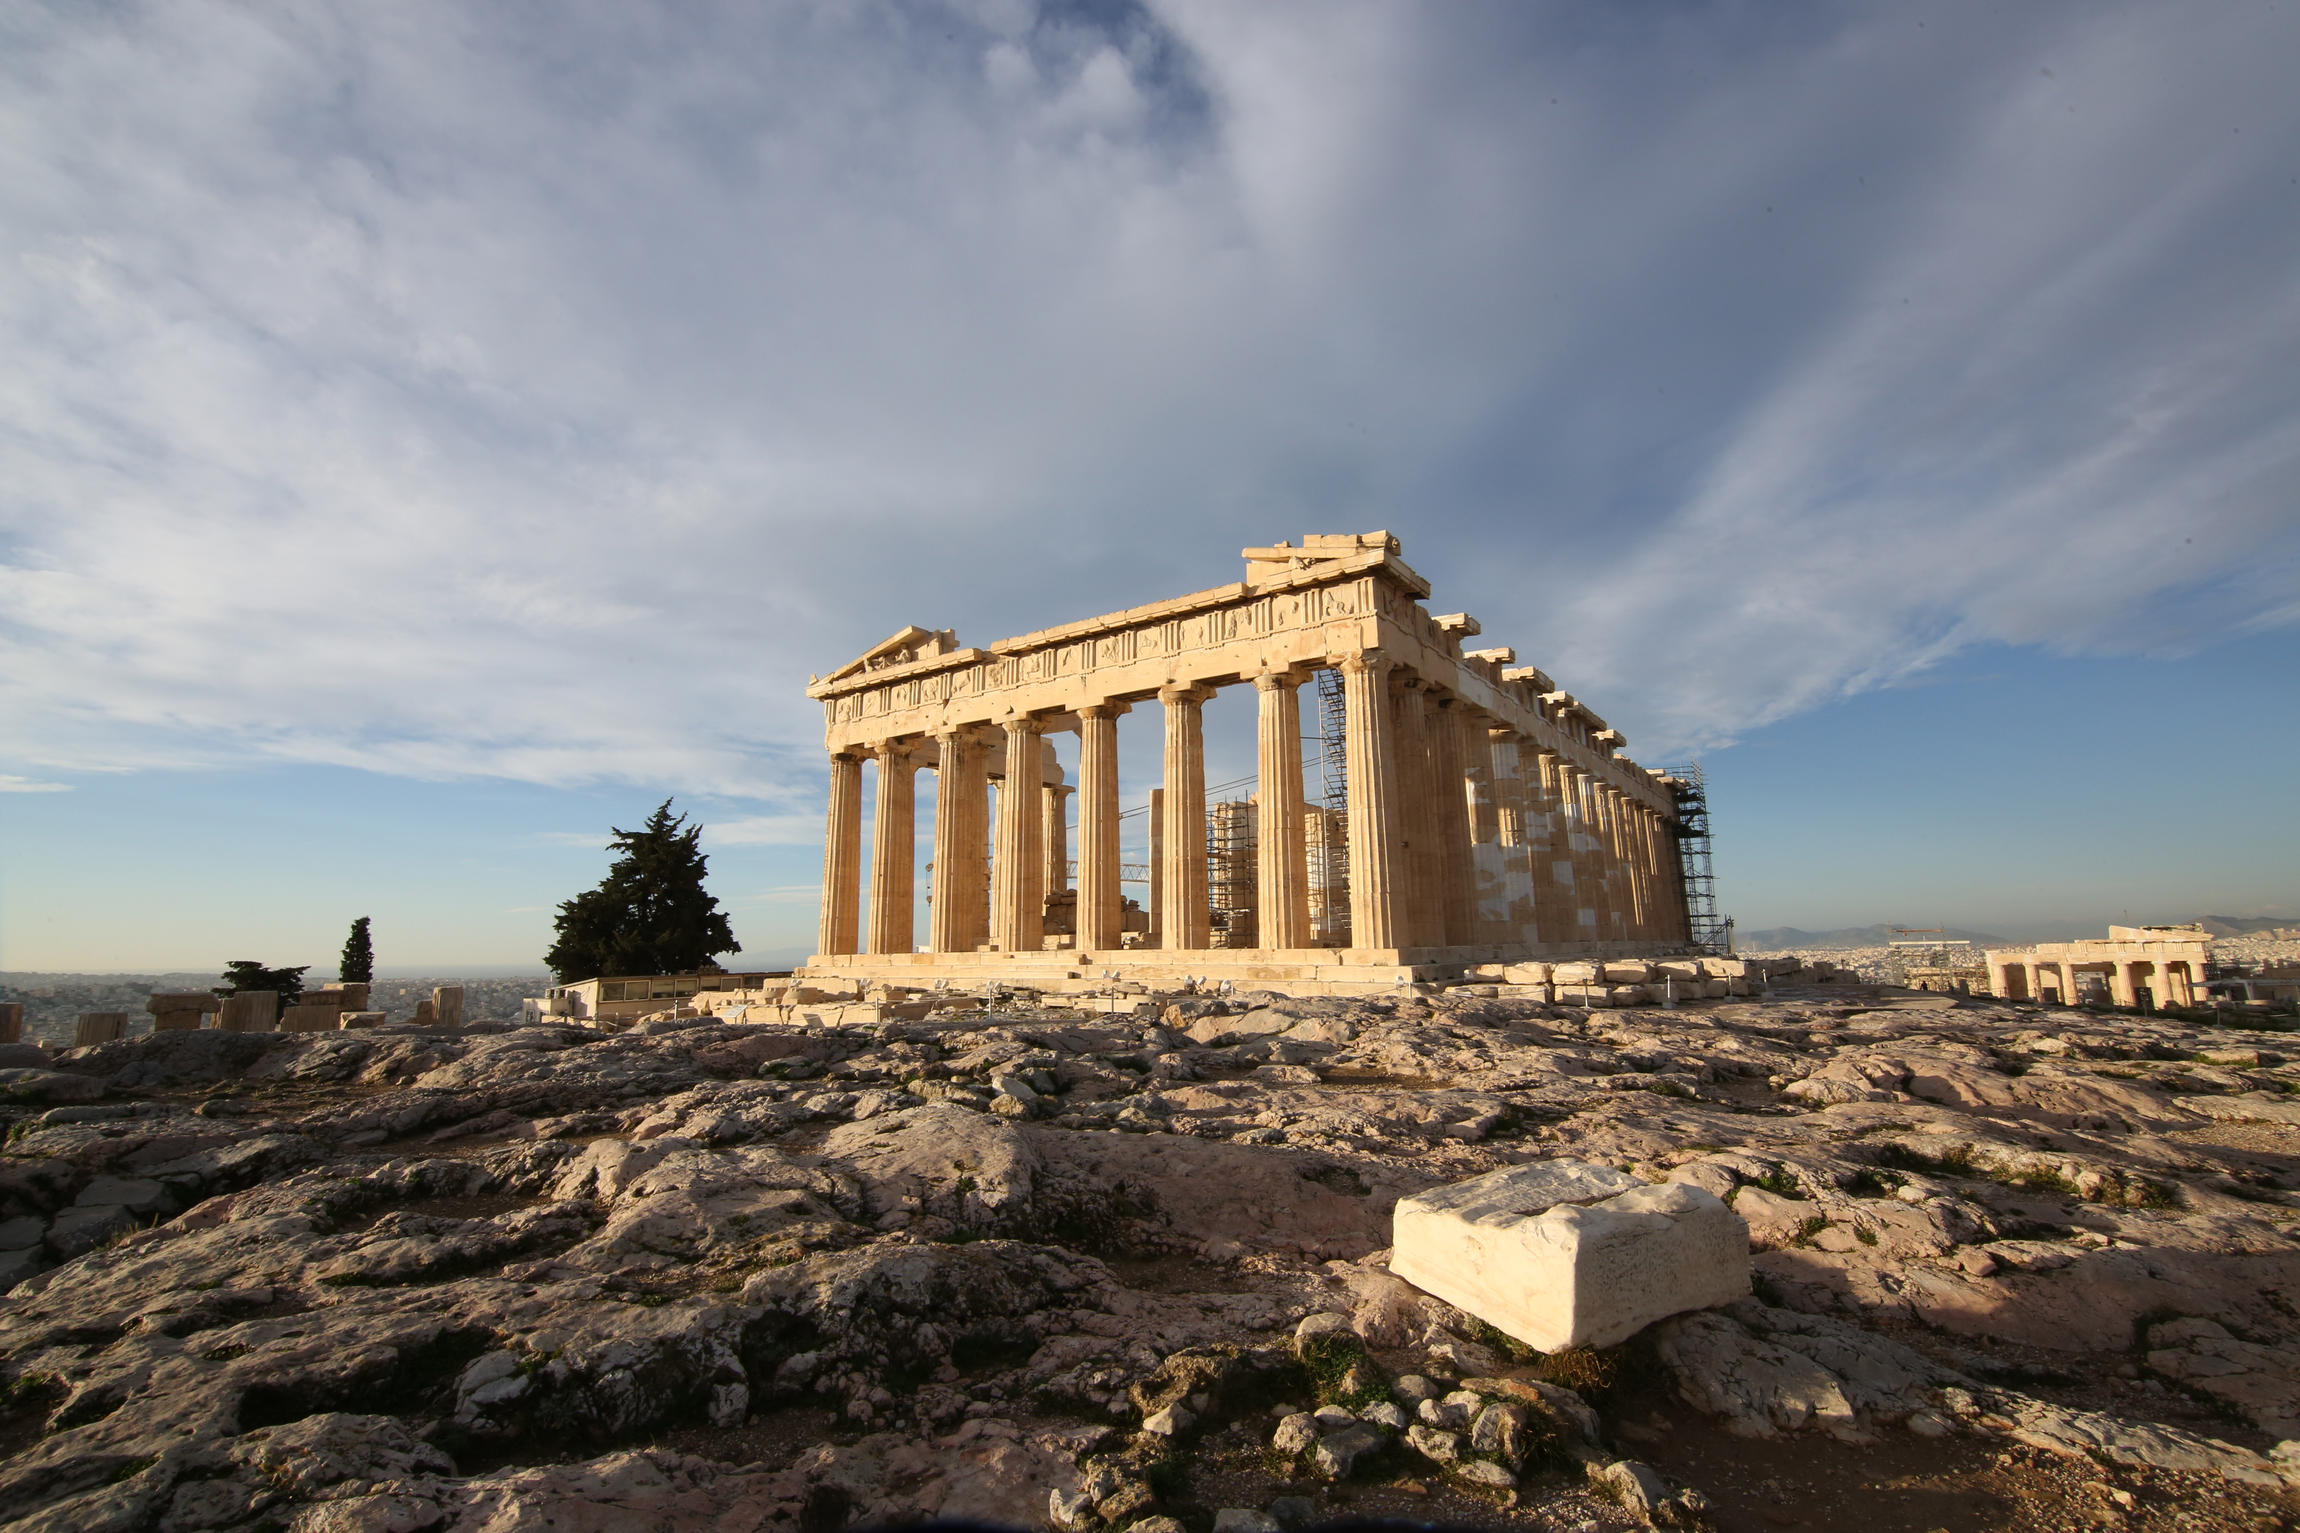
(1711, 932)
(1329, 821)
(1231, 888)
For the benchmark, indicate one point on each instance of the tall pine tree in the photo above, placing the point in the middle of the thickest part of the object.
(650, 915)
(357, 966)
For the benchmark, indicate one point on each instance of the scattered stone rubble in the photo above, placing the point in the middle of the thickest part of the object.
(1080, 1270)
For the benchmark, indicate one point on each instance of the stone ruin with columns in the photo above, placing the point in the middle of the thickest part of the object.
(1490, 817)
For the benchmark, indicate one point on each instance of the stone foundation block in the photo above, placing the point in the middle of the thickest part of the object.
(250, 1011)
(1565, 1253)
(99, 1027)
(320, 1017)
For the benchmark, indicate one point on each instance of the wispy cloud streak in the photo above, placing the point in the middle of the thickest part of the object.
(404, 389)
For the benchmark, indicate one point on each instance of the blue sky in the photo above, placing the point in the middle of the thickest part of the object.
(430, 435)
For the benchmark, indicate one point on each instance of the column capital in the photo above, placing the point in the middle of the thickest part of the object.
(1502, 734)
(1184, 692)
(900, 751)
(1363, 662)
(1287, 679)
(1103, 710)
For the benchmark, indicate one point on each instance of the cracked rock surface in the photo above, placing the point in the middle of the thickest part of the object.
(1052, 1268)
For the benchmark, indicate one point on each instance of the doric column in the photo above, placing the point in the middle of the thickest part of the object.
(2070, 991)
(1521, 831)
(1588, 875)
(954, 923)
(1101, 910)
(1188, 918)
(1450, 816)
(1017, 921)
(1054, 838)
(2123, 983)
(1421, 916)
(1631, 861)
(1281, 856)
(2000, 979)
(1496, 827)
(1556, 903)
(842, 857)
(893, 848)
(2032, 980)
(1156, 909)
(1373, 792)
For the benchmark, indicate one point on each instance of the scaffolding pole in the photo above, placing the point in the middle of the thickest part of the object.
(1711, 933)
(1329, 825)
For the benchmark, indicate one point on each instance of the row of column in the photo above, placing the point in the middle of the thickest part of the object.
(1461, 833)
(2167, 986)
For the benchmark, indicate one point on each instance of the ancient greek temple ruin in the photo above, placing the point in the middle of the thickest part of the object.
(2164, 964)
(1483, 814)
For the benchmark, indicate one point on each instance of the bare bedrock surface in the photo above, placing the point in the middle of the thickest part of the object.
(2013, 1268)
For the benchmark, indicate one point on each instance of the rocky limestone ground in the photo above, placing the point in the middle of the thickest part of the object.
(2015, 1268)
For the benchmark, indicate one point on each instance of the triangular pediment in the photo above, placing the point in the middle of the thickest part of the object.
(899, 648)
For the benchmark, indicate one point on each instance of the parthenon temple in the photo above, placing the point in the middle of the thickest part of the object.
(1481, 814)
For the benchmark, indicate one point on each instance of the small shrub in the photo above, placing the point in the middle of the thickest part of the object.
(1808, 1228)
(1577, 1368)
(1781, 1184)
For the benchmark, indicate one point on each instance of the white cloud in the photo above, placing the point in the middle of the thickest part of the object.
(387, 390)
(13, 784)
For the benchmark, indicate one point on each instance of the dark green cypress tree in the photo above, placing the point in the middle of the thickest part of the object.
(650, 914)
(357, 966)
(246, 974)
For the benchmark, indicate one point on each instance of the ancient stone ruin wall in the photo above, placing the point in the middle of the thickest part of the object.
(1490, 815)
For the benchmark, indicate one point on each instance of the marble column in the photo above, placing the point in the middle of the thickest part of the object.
(1556, 902)
(1281, 855)
(1521, 831)
(2071, 992)
(1156, 909)
(842, 857)
(1420, 916)
(893, 849)
(1588, 872)
(2123, 986)
(1630, 854)
(1101, 910)
(1452, 820)
(1490, 771)
(1017, 921)
(1373, 790)
(1187, 916)
(954, 924)
(1054, 838)
(2032, 978)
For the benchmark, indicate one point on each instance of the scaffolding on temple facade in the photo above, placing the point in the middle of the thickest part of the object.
(1329, 821)
(1231, 888)
(1711, 932)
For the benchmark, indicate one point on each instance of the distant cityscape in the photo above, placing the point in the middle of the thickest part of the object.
(53, 1002)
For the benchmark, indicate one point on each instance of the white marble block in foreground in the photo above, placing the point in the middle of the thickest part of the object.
(1565, 1253)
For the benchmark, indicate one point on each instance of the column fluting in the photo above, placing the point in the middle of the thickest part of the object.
(1281, 855)
(842, 857)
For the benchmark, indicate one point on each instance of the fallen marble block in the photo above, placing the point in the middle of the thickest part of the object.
(1564, 1253)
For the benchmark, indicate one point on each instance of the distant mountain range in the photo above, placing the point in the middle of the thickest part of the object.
(1771, 937)
(1845, 936)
